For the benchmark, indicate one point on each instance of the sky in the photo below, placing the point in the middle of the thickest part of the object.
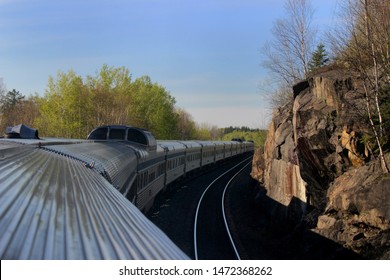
(206, 53)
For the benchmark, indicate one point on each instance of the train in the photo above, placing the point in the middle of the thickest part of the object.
(153, 164)
(84, 198)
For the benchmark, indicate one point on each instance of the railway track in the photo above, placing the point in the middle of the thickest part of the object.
(212, 236)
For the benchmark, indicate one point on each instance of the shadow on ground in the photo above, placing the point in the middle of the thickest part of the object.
(264, 230)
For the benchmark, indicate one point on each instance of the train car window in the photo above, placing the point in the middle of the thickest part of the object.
(152, 176)
(136, 136)
(144, 179)
(161, 169)
(117, 134)
(139, 182)
(99, 134)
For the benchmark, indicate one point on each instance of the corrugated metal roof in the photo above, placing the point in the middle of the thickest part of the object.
(53, 207)
(206, 143)
(191, 144)
(114, 160)
(172, 145)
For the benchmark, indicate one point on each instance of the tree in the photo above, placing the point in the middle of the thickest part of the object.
(154, 108)
(11, 99)
(186, 125)
(258, 136)
(27, 111)
(63, 110)
(2, 89)
(73, 106)
(287, 55)
(9, 105)
(110, 96)
(319, 58)
(16, 109)
(363, 43)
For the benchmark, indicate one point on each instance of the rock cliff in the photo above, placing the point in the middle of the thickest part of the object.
(316, 168)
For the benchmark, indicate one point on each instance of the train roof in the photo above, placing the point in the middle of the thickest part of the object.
(206, 143)
(131, 134)
(191, 144)
(54, 207)
(171, 145)
(227, 142)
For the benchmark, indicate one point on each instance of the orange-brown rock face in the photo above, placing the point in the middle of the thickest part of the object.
(303, 150)
(314, 154)
(351, 141)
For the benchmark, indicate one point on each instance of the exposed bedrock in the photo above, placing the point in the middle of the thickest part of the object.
(316, 166)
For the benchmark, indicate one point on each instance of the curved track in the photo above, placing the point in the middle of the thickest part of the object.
(224, 213)
(212, 237)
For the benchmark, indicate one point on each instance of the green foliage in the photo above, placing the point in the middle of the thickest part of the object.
(385, 104)
(231, 129)
(203, 133)
(63, 108)
(72, 106)
(257, 136)
(368, 139)
(154, 108)
(319, 58)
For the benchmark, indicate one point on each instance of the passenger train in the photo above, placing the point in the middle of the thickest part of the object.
(76, 199)
(156, 164)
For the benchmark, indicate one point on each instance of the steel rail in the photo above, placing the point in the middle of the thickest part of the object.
(224, 214)
(200, 202)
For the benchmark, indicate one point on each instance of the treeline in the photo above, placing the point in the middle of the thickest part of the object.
(230, 129)
(258, 136)
(244, 133)
(72, 106)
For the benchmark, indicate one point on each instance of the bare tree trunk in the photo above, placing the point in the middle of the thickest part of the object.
(377, 138)
(375, 64)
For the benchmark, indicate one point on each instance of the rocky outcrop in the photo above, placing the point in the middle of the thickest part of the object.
(357, 214)
(315, 165)
(277, 168)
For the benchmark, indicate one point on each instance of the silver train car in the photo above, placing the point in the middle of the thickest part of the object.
(82, 199)
(157, 164)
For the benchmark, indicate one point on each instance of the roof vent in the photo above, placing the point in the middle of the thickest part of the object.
(21, 131)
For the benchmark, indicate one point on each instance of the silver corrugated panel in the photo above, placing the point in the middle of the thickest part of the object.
(9, 145)
(53, 207)
(114, 160)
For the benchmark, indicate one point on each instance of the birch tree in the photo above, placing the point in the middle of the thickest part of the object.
(288, 54)
(362, 42)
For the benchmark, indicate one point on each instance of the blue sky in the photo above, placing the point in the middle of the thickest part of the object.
(206, 53)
